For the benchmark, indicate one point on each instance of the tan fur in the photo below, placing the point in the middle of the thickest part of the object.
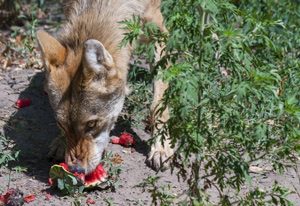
(87, 75)
(54, 52)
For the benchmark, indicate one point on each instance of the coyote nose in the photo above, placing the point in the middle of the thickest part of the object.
(76, 168)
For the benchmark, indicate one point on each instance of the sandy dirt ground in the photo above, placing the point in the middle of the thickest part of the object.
(32, 129)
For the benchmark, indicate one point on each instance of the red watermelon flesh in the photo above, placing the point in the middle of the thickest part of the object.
(115, 140)
(126, 139)
(81, 176)
(64, 165)
(98, 175)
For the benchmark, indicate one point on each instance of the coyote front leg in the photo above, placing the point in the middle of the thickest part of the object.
(160, 153)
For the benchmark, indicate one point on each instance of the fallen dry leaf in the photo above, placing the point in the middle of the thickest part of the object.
(117, 159)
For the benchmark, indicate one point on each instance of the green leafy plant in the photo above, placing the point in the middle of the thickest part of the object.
(233, 74)
(8, 156)
(139, 100)
(7, 153)
(21, 46)
(77, 202)
(160, 195)
(113, 172)
(109, 201)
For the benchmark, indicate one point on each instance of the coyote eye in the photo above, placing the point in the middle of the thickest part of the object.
(91, 124)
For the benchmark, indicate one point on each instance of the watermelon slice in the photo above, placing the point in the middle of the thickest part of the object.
(125, 139)
(23, 103)
(64, 179)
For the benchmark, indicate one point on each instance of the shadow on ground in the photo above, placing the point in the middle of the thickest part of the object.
(33, 128)
(141, 145)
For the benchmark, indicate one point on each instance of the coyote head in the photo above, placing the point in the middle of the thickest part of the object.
(86, 91)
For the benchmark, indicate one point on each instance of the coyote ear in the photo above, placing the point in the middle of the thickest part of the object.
(96, 57)
(53, 52)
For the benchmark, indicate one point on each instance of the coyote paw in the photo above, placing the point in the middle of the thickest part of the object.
(160, 156)
(57, 149)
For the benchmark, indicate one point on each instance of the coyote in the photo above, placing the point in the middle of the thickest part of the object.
(86, 78)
